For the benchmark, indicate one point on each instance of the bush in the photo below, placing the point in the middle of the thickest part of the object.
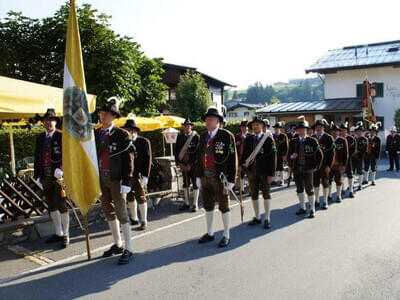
(397, 119)
(25, 139)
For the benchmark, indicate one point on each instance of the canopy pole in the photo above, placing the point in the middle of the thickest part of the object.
(12, 153)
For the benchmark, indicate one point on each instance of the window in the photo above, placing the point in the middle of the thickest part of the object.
(246, 114)
(378, 86)
(232, 115)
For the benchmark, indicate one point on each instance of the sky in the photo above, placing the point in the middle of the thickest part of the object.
(240, 42)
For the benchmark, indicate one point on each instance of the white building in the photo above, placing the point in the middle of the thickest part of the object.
(345, 69)
(242, 111)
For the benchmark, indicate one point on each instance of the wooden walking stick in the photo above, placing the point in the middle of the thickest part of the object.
(241, 198)
(89, 255)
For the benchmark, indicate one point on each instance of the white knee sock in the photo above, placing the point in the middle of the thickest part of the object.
(311, 200)
(360, 179)
(56, 218)
(373, 176)
(325, 192)
(350, 182)
(133, 210)
(301, 197)
(267, 207)
(366, 176)
(126, 231)
(338, 191)
(187, 195)
(65, 223)
(114, 228)
(226, 219)
(242, 184)
(210, 222)
(143, 212)
(256, 207)
(316, 193)
(196, 198)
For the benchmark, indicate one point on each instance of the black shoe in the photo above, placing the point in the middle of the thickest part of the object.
(184, 207)
(311, 215)
(317, 205)
(224, 242)
(351, 195)
(206, 238)
(274, 183)
(338, 200)
(267, 224)
(325, 207)
(391, 170)
(329, 198)
(126, 257)
(65, 243)
(255, 221)
(114, 250)
(134, 222)
(193, 209)
(365, 182)
(359, 188)
(54, 239)
(373, 183)
(301, 212)
(143, 226)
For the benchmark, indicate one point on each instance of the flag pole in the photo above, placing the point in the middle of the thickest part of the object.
(85, 220)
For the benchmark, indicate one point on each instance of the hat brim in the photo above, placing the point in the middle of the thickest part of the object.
(251, 123)
(131, 127)
(184, 124)
(57, 119)
(221, 119)
(116, 114)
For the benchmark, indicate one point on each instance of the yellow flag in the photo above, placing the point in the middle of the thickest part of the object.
(81, 174)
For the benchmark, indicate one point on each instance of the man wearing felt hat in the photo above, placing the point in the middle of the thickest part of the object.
(341, 157)
(292, 132)
(305, 158)
(47, 169)
(216, 166)
(259, 161)
(115, 160)
(282, 147)
(373, 153)
(185, 156)
(352, 146)
(321, 176)
(142, 161)
(240, 137)
(359, 154)
(392, 148)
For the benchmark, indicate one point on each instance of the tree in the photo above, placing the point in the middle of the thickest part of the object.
(192, 96)
(33, 50)
(275, 100)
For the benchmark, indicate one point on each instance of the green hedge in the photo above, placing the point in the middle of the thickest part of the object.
(24, 141)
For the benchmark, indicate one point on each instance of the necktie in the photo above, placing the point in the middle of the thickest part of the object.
(47, 139)
(103, 134)
(208, 137)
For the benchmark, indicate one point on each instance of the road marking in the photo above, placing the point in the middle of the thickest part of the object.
(28, 255)
(102, 248)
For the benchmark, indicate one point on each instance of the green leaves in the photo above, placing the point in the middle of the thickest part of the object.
(192, 96)
(33, 50)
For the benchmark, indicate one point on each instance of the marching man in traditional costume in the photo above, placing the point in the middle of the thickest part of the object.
(240, 137)
(340, 160)
(373, 153)
(185, 156)
(362, 146)
(47, 169)
(216, 172)
(321, 176)
(259, 161)
(114, 152)
(142, 162)
(392, 148)
(305, 158)
(352, 146)
(292, 134)
(282, 147)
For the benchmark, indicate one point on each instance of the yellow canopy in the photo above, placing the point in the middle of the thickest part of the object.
(171, 121)
(145, 124)
(23, 99)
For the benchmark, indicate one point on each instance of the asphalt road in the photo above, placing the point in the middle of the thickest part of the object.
(349, 251)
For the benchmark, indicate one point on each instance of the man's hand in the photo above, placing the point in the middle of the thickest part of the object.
(294, 155)
(145, 180)
(125, 189)
(58, 173)
(269, 179)
(39, 183)
(230, 186)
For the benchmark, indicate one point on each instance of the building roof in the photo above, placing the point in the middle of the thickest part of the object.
(208, 78)
(246, 105)
(331, 105)
(357, 57)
